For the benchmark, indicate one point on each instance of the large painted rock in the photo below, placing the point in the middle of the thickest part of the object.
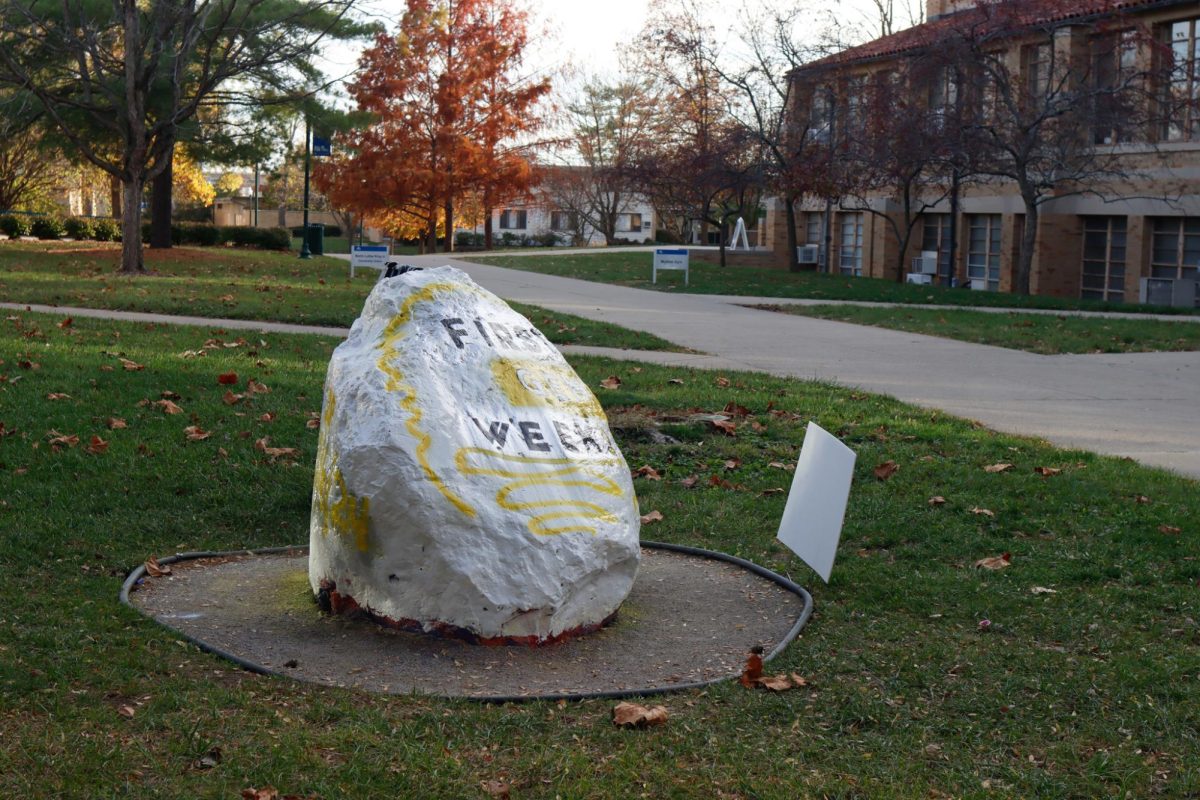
(466, 479)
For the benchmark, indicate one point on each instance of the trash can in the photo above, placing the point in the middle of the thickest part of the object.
(316, 238)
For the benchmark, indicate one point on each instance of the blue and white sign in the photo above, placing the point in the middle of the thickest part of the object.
(374, 256)
(321, 146)
(670, 259)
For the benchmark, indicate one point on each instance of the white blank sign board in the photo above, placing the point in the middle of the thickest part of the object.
(816, 505)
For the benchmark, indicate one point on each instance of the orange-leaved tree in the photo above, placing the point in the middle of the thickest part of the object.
(449, 106)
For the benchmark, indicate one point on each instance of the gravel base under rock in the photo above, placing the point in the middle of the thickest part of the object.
(688, 619)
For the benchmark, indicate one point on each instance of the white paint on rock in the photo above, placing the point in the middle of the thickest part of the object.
(465, 474)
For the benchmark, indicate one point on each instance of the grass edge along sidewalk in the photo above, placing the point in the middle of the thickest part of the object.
(1046, 334)
(1069, 671)
(625, 268)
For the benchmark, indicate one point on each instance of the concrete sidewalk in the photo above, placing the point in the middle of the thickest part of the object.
(1141, 405)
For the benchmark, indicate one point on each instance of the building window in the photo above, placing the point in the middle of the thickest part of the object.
(819, 112)
(1114, 65)
(1182, 89)
(1175, 248)
(1037, 60)
(935, 236)
(1103, 259)
(563, 221)
(856, 105)
(629, 223)
(850, 254)
(983, 251)
(813, 223)
(943, 95)
(512, 219)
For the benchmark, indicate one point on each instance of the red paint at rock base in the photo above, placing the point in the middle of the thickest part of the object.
(332, 601)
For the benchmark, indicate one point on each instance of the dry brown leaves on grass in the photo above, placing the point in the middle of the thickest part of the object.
(263, 446)
(752, 677)
(631, 715)
(1170, 530)
(995, 562)
(724, 426)
(116, 423)
(649, 473)
(653, 516)
(97, 446)
(195, 433)
(1046, 472)
(227, 378)
(886, 470)
(983, 512)
(611, 382)
(1001, 467)
(937, 500)
(131, 366)
(156, 570)
(168, 407)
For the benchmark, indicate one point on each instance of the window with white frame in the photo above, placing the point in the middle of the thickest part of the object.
(850, 251)
(563, 221)
(1181, 92)
(983, 251)
(513, 219)
(1175, 248)
(813, 224)
(1103, 259)
(629, 223)
(935, 237)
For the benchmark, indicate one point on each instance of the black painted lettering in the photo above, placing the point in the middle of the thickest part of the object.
(457, 334)
(496, 432)
(564, 437)
(587, 439)
(531, 432)
(483, 332)
(502, 334)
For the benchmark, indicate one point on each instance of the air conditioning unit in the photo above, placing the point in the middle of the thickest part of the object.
(979, 284)
(926, 263)
(919, 278)
(808, 254)
(1167, 292)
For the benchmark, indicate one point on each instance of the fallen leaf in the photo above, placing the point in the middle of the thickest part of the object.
(168, 407)
(267, 792)
(227, 378)
(231, 399)
(313, 424)
(886, 470)
(937, 500)
(781, 465)
(653, 516)
(1046, 472)
(675, 381)
(267, 417)
(733, 463)
(97, 446)
(724, 426)
(68, 439)
(130, 366)
(156, 570)
(254, 387)
(58, 396)
(496, 788)
(66, 323)
(195, 433)
(752, 671)
(1169, 529)
(1001, 467)
(995, 562)
(985, 512)
(167, 394)
(263, 446)
(631, 715)
(611, 382)
(776, 683)
(722, 382)
(1141, 498)
(1042, 590)
(209, 760)
(116, 423)
(734, 410)
(648, 472)
(126, 711)
(798, 680)
(689, 481)
(776, 490)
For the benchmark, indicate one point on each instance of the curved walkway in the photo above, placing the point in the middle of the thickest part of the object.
(1142, 405)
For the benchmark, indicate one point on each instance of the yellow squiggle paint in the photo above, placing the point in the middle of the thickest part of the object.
(348, 514)
(392, 334)
(563, 472)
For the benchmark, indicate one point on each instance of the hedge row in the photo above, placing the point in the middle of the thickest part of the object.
(102, 229)
(331, 231)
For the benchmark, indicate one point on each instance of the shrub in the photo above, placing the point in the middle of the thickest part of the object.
(273, 238)
(201, 234)
(48, 228)
(79, 228)
(667, 237)
(106, 230)
(468, 239)
(13, 226)
(547, 239)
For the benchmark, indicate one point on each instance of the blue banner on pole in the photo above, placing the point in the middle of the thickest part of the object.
(321, 147)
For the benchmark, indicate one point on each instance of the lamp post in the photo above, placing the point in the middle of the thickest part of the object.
(304, 251)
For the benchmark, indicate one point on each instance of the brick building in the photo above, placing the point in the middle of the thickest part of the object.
(1094, 240)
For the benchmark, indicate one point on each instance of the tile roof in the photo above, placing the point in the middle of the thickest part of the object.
(990, 17)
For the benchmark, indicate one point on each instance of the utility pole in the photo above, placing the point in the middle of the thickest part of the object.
(256, 194)
(304, 251)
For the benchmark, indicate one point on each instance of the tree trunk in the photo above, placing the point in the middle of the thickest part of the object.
(1025, 257)
(131, 227)
(160, 206)
(449, 211)
(793, 237)
(114, 197)
(488, 233)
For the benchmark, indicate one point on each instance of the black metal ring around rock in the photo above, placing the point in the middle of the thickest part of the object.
(730, 604)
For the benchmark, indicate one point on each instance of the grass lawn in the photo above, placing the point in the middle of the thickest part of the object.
(237, 284)
(1084, 681)
(1034, 333)
(633, 269)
